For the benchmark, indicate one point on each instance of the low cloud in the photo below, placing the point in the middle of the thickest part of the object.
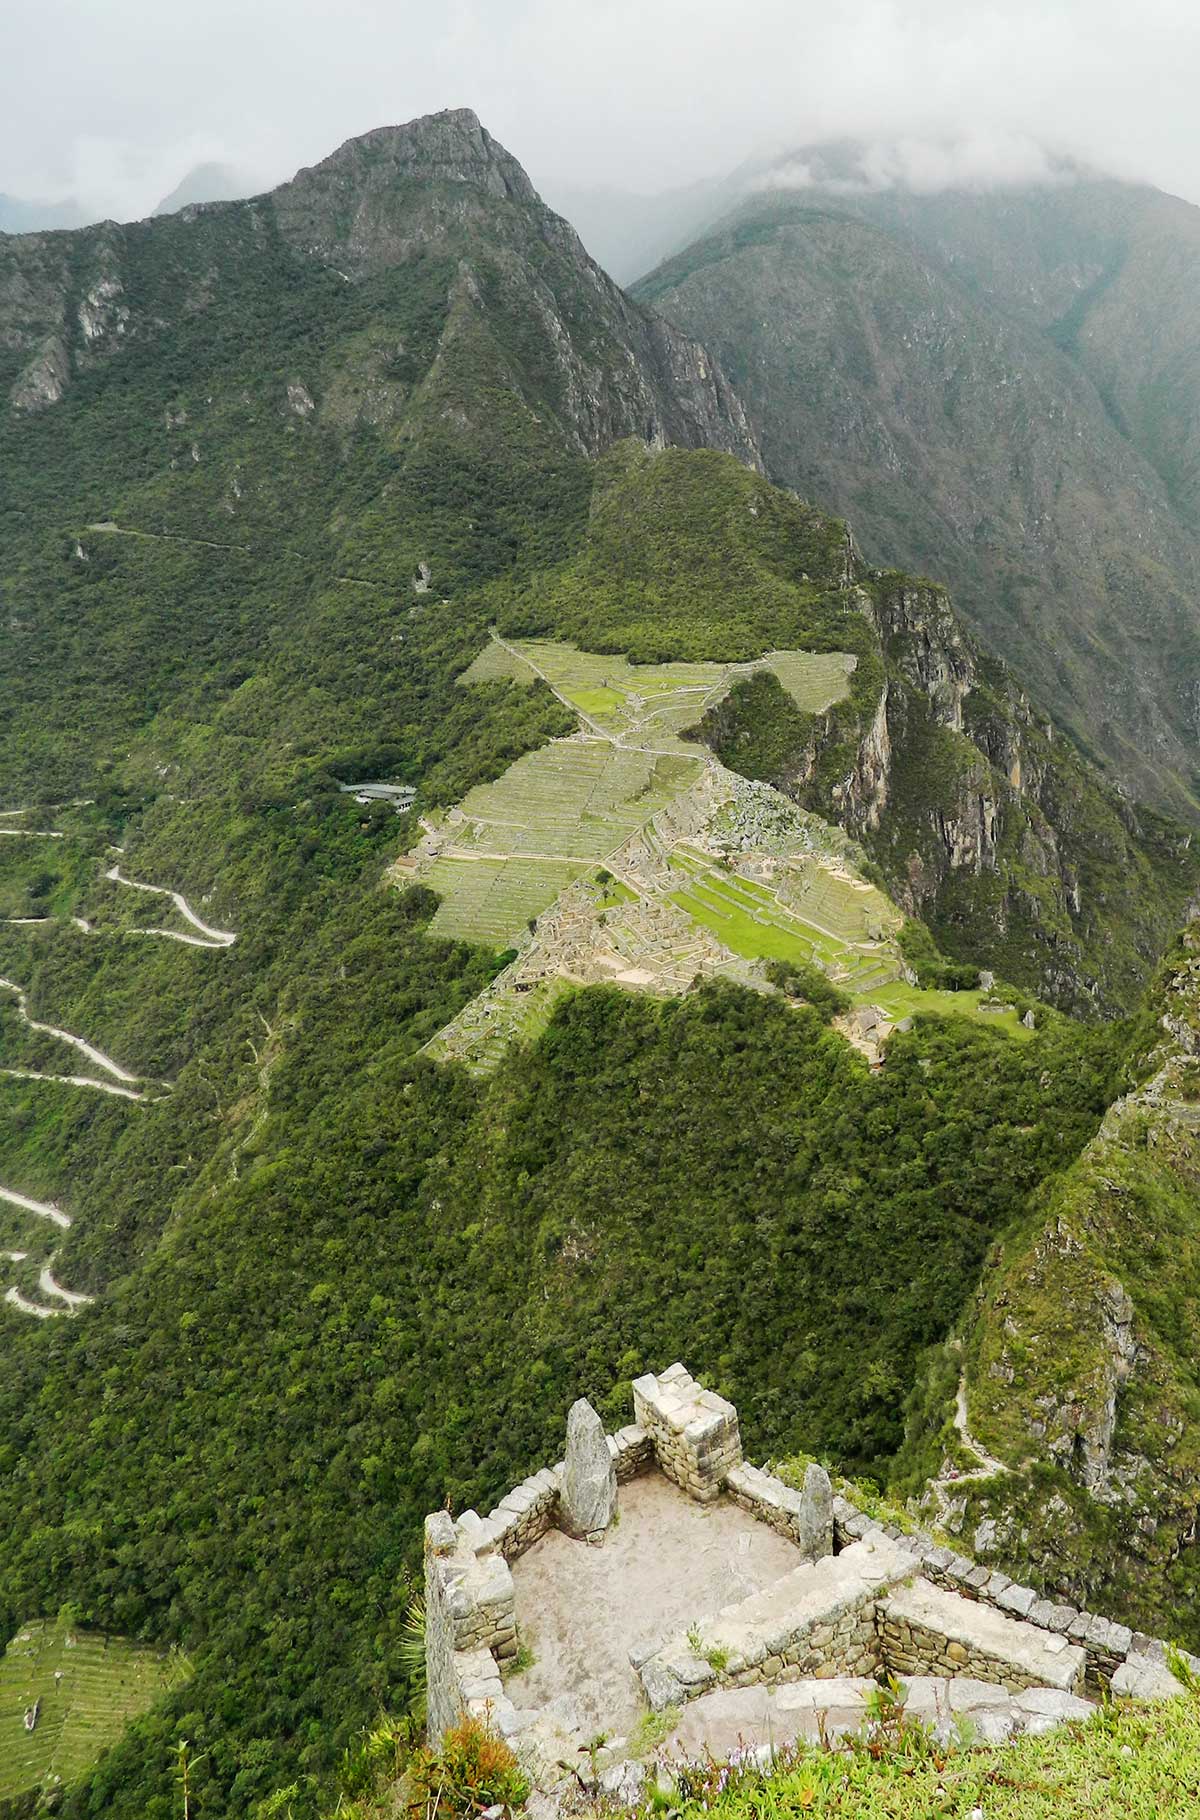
(116, 102)
(977, 161)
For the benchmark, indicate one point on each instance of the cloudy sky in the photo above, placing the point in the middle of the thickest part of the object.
(113, 101)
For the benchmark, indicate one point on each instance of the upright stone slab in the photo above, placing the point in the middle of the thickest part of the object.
(814, 1519)
(588, 1495)
(695, 1432)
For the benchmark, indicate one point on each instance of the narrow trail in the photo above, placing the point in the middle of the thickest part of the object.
(108, 529)
(943, 1489)
(208, 938)
(96, 1056)
(33, 833)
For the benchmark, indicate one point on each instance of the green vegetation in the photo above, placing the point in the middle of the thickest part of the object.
(881, 341)
(491, 900)
(798, 979)
(1084, 1338)
(688, 556)
(339, 1283)
(650, 703)
(1136, 1763)
(86, 1688)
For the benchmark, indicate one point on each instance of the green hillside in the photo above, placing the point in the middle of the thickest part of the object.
(998, 389)
(261, 544)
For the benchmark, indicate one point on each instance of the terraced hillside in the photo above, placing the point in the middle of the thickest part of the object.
(292, 1250)
(81, 1690)
(626, 853)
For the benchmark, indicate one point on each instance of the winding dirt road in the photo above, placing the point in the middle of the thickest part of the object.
(72, 1300)
(96, 1056)
(208, 937)
(45, 1210)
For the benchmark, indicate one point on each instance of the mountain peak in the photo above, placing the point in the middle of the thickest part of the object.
(449, 147)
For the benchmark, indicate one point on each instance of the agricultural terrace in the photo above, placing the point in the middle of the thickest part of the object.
(655, 703)
(509, 851)
(514, 845)
(86, 1688)
(830, 919)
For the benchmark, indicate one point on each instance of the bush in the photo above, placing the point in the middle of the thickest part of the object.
(799, 980)
(473, 1769)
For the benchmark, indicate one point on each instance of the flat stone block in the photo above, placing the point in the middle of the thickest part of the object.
(1020, 1600)
(1141, 1678)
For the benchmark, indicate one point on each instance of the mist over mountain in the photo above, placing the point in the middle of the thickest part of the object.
(208, 183)
(997, 384)
(19, 217)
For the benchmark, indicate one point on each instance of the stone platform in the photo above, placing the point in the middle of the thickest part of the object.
(583, 1611)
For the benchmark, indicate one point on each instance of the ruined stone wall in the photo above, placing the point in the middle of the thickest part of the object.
(525, 1513)
(1117, 1657)
(470, 1624)
(925, 1630)
(866, 1598)
(694, 1431)
(804, 1517)
(819, 1620)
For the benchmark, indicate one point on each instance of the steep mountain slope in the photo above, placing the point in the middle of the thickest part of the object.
(996, 390)
(287, 479)
(1080, 1350)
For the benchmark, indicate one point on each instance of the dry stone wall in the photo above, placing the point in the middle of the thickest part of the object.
(864, 1598)
(1117, 1657)
(694, 1431)
(817, 1621)
(470, 1625)
(925, 1630)
(804, 1517)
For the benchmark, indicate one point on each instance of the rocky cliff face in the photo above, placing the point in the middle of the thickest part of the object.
(1081, 1350)
(439, 188)
(928, 368)
(987, 826)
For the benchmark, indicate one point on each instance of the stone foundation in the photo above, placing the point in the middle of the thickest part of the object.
(1109, 1648)
(816, 1622)
(923, 1630)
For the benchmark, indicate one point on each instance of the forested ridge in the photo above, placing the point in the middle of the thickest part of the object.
(336, 1284)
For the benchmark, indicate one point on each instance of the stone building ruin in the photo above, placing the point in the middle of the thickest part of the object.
(655, 1571)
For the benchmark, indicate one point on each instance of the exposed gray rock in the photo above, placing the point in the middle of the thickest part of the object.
(623, 1782)
(588, 1500)
(814, 1520)
(1140, 1678)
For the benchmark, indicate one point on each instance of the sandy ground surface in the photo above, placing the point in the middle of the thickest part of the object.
(667, 1562)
